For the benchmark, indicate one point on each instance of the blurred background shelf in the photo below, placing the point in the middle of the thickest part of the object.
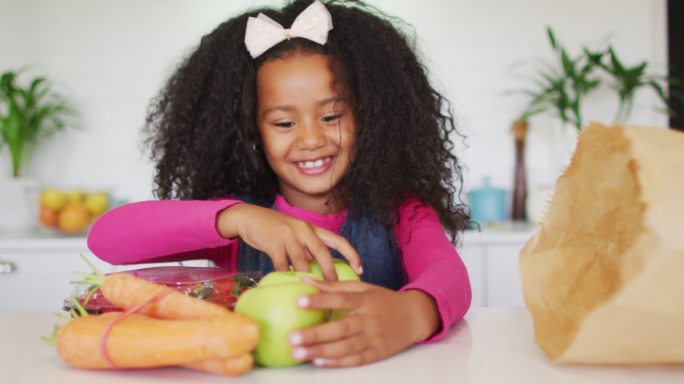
(35, 268)
(39, 242)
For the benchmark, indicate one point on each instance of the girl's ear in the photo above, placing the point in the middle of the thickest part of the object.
(257, 146)
(254, 155)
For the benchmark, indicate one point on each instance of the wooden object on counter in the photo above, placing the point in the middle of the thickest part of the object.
(519, 130)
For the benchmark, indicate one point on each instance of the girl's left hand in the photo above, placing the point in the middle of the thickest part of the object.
(379, 323)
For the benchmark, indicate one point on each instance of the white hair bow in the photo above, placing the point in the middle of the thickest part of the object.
(263, 32)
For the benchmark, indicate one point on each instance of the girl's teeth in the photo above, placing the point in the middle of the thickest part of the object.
(311, 164)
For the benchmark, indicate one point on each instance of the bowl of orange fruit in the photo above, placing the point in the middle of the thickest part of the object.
(71, 211)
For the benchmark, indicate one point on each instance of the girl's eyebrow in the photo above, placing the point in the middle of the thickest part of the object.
(285, 108)
(333, 99)
(288, 108)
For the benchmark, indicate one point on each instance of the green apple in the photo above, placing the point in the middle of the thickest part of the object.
(279, 277)
(344, 271)
(315, 269)
(275, 309)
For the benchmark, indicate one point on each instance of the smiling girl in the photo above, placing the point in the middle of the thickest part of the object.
(321, 139)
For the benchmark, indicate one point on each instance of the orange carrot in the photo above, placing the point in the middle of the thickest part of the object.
(232, 366)
(198, 335)
(127, 291)
(140, 341)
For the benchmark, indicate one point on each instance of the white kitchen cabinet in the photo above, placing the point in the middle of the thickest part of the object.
(37, 272)
(473, 258)
(491, 257)
(41, 268)
(503, 276)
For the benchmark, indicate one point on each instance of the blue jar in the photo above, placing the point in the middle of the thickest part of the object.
(487, 203)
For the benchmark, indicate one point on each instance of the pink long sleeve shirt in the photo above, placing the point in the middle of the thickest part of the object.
(176, 230)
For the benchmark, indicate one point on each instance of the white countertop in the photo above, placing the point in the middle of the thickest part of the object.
(489, 346)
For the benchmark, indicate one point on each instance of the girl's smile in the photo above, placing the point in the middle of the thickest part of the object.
(306, 123)
(315, 167)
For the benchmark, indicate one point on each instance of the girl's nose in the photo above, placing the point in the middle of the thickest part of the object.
(310, 136)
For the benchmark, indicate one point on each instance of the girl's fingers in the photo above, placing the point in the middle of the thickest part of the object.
(323, 257)
(304, 242)
(327, 332)
(335, 349)
(298, 256)
(341, 245)
(341, 286)
(279, 259)
(367, 356)
(331, 300)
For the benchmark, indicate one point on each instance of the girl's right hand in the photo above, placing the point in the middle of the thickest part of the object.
(283, 237)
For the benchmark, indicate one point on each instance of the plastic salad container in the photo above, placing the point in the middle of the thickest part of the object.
(211, 284)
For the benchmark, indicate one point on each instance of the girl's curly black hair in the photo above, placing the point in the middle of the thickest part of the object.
(205, 142)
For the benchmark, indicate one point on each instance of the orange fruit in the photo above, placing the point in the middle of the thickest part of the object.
(48, 217)
(73, 218)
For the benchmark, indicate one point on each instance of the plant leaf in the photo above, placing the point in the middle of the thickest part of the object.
(552, 37)
(568, 64)
(659, 91)
(617, 65)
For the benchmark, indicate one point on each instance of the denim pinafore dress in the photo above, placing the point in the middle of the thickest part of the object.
(380, 259)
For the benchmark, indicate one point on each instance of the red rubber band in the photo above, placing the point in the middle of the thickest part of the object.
(105, 335)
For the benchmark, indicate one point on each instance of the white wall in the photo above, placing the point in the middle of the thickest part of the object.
(112, 57)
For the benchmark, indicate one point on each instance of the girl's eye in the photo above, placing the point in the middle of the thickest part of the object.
(332, 118)
(284, 124)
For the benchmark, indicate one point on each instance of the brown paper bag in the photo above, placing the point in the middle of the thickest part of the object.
(604, 275)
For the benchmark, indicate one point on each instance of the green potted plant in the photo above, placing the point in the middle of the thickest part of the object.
(29, 114)
(561, 88)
